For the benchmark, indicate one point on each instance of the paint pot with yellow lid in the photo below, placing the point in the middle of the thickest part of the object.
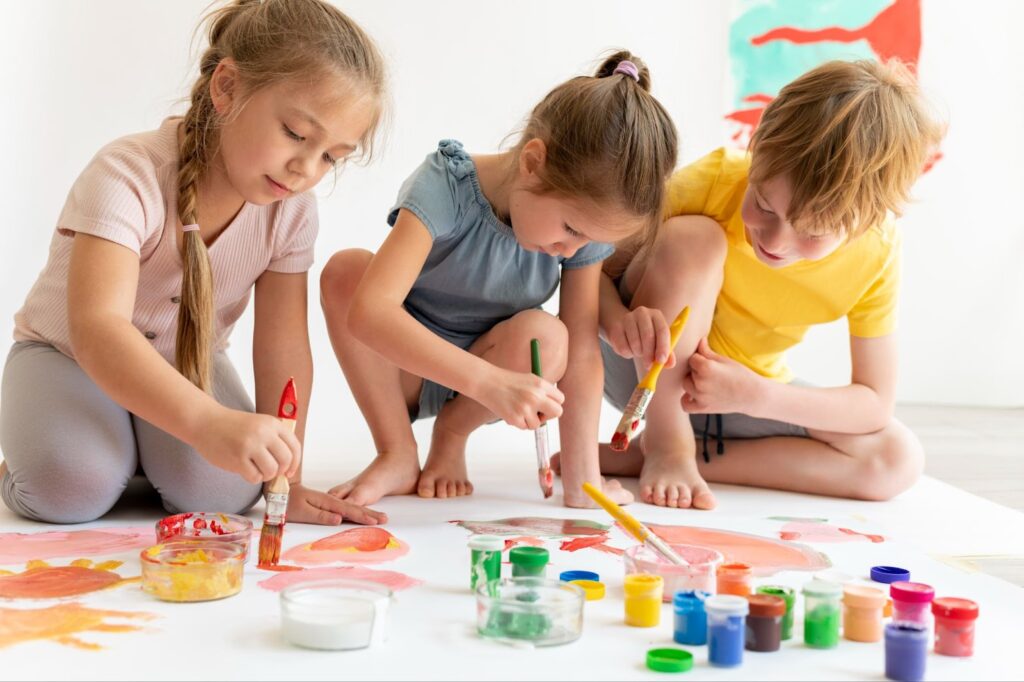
(335, 614)
(643, 599)
(192, 570)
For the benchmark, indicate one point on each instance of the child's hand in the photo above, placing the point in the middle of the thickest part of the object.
(642, 333)
(306, 505)
(522, 400)
(257, 447)
(719, 385)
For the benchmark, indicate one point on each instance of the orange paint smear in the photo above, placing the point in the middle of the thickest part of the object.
(523, 540)
(765, 555)
(46, 582)
(61, 623)
(355, 545)
(280, 568)
(396, 581)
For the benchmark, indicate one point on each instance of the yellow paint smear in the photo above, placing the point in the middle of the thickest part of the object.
(61, 623)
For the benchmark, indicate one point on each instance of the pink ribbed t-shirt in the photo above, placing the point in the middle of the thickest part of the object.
(127, 194)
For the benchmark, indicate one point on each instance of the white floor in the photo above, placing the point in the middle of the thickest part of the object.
(432, 633)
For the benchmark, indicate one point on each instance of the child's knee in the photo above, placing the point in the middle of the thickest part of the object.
(232, 497)
(62, 494)
(341, 276)
(894, 465)
(548, 330)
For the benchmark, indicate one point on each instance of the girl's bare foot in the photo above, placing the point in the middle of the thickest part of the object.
(391, 473)
(444, 474)
(670, 479)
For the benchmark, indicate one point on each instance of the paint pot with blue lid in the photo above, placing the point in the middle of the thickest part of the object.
(570, 576)
(691, 621)
(889, 574)
(906, 650)
(727, 616)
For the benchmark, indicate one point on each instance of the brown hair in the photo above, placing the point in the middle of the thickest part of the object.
(607, 138)
(270, 41)
(851, 138)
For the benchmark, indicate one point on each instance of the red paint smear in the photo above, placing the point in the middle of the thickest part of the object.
(392, 579)
(620, 442)
(581, 543)
(765, 555)
(47, 582)
(523, 540)
(355, 545)
(16, 548)
(359, 539)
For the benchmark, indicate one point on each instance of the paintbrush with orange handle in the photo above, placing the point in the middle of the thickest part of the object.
(540, 436)
(277, 490)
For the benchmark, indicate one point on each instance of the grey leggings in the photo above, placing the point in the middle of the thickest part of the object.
(71, 451)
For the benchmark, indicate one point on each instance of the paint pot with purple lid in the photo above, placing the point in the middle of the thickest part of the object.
(906, 650)
(911, 602)
(889, 574)
(335, 614)
(698, 575)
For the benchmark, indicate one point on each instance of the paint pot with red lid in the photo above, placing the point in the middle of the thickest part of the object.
(910, 602)
(954, 626)
(764, 622)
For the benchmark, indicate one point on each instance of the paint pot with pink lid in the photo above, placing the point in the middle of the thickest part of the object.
(911, 602)
(699, 575)
(335, 614)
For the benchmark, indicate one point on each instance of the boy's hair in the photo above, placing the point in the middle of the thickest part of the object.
(608, 139)
(270, 41)
(851, 138)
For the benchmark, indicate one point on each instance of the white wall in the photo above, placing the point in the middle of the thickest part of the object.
(78, 74)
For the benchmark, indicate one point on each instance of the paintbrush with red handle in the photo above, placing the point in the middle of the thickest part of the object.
(277, 490)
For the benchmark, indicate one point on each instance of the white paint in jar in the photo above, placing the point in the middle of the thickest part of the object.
(335, 614)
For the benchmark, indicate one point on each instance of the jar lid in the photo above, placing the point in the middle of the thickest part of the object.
(592, 589)
(735, 568)
(487, 543)
(534, 557)
(682, 597)
(822, 588)
(572, 576)
(669, 660)
(863, 596)
(777, 590)
(889, 574)
(917, 593)
(726, 605)
(766, 605)
(956, 608)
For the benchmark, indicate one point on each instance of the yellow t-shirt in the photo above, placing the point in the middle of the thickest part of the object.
(762, 311)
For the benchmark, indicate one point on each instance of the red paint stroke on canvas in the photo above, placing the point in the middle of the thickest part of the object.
(393, 579)
(40, 580)
(523, 540)
(362, 545)
(61, 623)
(17, 548)
(765, 555)
(535, 526)
(823, 532)
(583, 542)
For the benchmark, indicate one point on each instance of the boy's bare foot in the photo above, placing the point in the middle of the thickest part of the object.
(391, 473)
(610, 487)
(613, 462)
(671, 479)
(444, 474)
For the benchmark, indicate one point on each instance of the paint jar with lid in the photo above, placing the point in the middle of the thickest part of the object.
(335, 614)
(862, 613)
(821, 614)
(643, 599)
(697, 574)
(788, 596)
(764, 622)
(691, 621)
(954, 626)
(727, 615)
(484, 558)
(528, 562)
(735, 578)
(906, 650)
(911, 602)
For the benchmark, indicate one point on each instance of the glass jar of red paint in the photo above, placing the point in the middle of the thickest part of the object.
(764, 622)
(735, 578)
(910, 602)
(954, 626)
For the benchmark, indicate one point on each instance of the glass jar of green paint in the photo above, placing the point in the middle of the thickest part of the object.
(822, 614)
(528, 561)
(788, 596)
(485, 558)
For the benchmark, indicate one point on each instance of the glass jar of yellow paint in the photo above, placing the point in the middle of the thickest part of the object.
(192, 570)
(643, 599)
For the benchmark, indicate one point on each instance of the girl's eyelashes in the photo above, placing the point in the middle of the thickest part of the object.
(329, 160)
(570, 231)
(292, 134)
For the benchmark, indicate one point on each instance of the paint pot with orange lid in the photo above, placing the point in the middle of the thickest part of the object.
(764, 622)
(862, 613)
(643, 599)
(192, 570)
(735, 578)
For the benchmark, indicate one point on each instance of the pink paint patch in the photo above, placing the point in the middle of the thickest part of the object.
(535, 525)
(823, 532)
(355, 546)
(396, 581)
(523, 540)
(16, 548)
(765, 555)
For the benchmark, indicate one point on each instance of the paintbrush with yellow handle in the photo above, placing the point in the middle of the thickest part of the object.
(634, 527)
(277, 490)
(637, 405)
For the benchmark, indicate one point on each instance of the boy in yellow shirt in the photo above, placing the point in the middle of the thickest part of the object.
(762, 246)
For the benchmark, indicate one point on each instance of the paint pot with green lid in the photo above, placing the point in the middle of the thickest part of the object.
(485, 558)
(528, 562)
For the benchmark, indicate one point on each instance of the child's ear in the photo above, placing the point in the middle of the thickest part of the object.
(224, 85)
(532, 157)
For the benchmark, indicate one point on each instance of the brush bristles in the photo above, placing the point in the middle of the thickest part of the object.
(270, 545)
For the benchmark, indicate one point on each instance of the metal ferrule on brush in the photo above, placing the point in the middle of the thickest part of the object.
(277, 506)
(634, 412)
